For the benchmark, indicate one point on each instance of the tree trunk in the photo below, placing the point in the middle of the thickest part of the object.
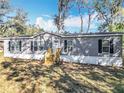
(89, 21)
(81, 17)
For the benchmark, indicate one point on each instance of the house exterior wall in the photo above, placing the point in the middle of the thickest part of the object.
(85, 49)
(26, 53)
(88, 46)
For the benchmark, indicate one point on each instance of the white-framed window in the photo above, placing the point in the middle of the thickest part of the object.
(34, 46)
(37, 45)
(105, 46)
(40, 45)
(68, 46)
(15, 46)
(11, 46)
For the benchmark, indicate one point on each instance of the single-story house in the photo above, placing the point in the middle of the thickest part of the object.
(92, 48)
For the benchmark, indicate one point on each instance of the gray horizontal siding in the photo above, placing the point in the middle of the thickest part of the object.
(87, 46)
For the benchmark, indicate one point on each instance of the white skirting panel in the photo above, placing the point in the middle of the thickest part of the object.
(104, 61)
(25, 56)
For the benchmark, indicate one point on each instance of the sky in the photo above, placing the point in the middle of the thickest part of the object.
(36, 8)
(41, 13)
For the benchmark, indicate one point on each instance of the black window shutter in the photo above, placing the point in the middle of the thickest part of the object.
(9, 45)
(31, 45)
(65, 45)
(35, 46)
(100, 46)
(111, 46)
(20, 45)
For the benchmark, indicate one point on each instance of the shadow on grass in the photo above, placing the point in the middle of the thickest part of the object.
(61, 78)
(67, 84)
(111, 76)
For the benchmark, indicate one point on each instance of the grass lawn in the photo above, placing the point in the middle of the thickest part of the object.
(33, 77)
